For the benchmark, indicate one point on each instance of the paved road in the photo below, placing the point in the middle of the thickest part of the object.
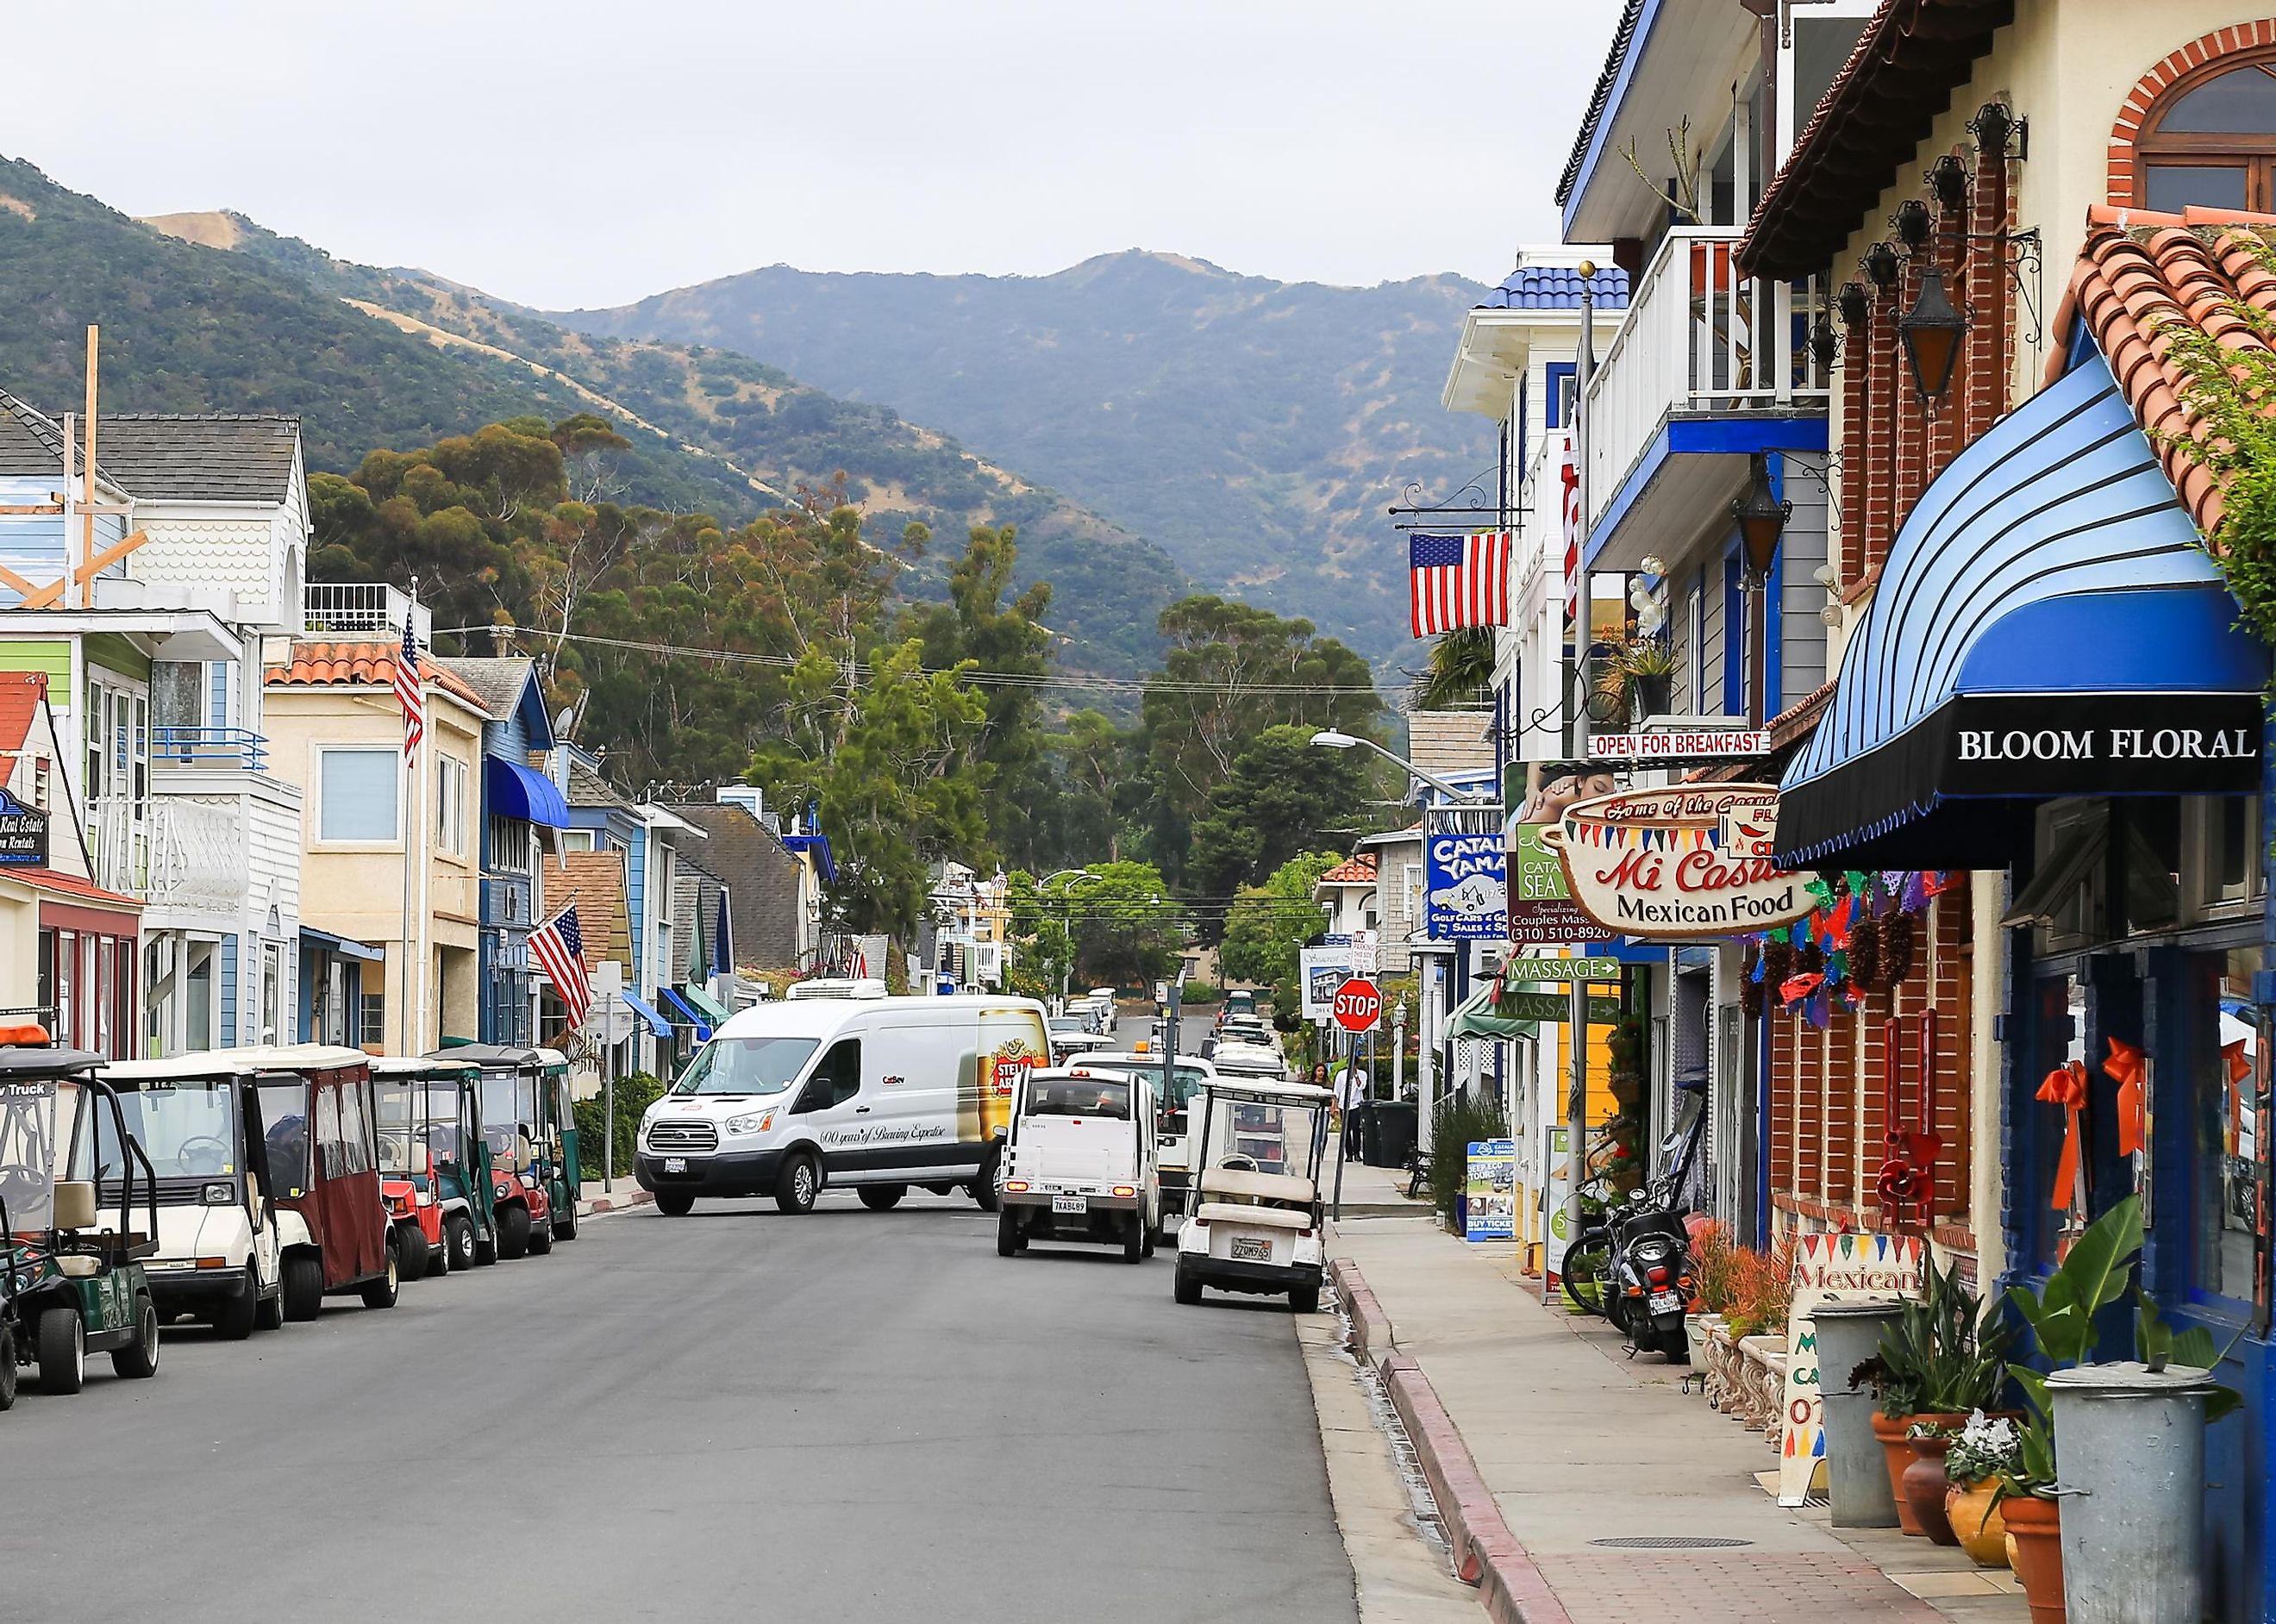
(734, 1415)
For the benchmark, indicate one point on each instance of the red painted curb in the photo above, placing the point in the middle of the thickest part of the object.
(618, 1203)
(1486, 1553)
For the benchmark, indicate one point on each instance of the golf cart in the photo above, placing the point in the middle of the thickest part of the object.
(532, 1130)
(434, 1163)
(1174, 1090)
(315, 1107)
(1255, 1223)
(1079, 1161)
(70, 1286)
(220, 1253)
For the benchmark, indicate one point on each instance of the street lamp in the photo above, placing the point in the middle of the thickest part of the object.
(1329, 739)
(1931, 331)
(1761, 516)
(1067, 922)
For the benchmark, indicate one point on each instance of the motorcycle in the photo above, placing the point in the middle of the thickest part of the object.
(1634, 1265)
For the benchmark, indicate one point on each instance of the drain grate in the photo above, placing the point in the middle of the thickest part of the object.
(1670, 1542)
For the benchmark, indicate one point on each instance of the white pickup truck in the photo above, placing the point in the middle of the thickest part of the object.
(1080, 1162)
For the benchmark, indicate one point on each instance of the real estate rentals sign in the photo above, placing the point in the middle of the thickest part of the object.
(1688, 860)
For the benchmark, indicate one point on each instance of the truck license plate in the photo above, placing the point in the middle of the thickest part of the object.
(1248, 1250)
(1666, 1302)
(675, 1164)
(1070, 1203)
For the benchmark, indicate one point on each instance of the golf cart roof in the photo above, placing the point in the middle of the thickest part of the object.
(420, 1065)
(1266, 1090)
(498, 1054)
(43, 1060)
(1151, 1060)
(1253, 1061)
(236, 1063)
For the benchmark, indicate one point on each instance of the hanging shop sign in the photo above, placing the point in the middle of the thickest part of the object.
(1681, 744)
(1826, 1269)
(1555, 1006)
(23, 834)
(1467, 881)
(1542, 912)
(1686, 860)
(1323, 970)
(1518, 971)
(1490, 1191)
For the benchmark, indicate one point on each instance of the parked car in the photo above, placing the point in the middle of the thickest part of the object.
(879, 1094)
(1256, 1220)
(73, 1284)
(1079, 1162)
(319, 1122)
(435, 1164)
(220, 1251)
(1101, 1000)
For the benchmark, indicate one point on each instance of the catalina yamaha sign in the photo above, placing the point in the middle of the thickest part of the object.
(1685, 860)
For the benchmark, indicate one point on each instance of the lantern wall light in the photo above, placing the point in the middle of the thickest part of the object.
(1931, 331)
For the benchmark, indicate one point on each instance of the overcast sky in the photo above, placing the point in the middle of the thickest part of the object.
(583, 153)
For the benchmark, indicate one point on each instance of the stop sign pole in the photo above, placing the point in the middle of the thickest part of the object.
(1358, 1006)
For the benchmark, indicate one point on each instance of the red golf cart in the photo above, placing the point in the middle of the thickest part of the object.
(318, 1118)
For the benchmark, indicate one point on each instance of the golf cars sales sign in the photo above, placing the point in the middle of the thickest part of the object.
(1689, 860)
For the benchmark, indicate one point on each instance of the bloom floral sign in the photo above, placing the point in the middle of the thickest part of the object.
(1688, 860)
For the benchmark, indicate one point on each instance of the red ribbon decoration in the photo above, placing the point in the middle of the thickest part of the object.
(1793, 988)
(2125, 1068)
(2239, 1069)
(2065, 1086)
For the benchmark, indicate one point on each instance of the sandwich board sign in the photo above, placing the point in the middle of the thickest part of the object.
(1827, 1268)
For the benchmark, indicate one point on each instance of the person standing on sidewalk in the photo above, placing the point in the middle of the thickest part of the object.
(1350, 1092)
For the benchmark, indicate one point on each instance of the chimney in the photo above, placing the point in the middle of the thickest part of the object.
(746, 796)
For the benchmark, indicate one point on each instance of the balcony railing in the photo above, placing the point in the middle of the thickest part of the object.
(363, 608)
(209, 747)
(173, 851)
(1697, 340)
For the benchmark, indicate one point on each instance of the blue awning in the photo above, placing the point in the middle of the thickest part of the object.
(656, 1023)
(2048, 622)
(703, 1027)
(819, 846)
(344, 946)
(511, 789)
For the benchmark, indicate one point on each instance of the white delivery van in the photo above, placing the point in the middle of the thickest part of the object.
(1079, 1162)
(876, 1094)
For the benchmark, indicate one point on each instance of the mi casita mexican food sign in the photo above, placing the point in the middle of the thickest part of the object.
(1688, 860)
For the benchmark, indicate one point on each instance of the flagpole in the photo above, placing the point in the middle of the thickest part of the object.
(406, 1022)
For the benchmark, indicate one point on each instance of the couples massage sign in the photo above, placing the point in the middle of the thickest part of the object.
(1687, 860)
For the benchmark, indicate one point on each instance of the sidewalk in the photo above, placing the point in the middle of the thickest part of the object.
(1604, 1473)
(592, 1201)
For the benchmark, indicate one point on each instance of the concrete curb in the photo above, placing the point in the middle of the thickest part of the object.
(1485, 1552)
(623, 1201)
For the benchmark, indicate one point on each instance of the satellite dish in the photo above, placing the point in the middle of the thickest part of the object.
(564, 722)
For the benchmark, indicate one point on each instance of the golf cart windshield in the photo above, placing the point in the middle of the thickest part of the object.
(418, 1127)
(746, 1066)
(27, 1153)
(187, 1127)
(509, 1102)
(1253, 1137)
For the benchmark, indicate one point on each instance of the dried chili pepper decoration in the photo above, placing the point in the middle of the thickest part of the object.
(1865, 954)
(1899, 935)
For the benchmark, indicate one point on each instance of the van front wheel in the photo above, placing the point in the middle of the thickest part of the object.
(798, 1184)
(984, 1187)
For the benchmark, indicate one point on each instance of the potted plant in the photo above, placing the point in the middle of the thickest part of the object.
(1714, 1279)
(1982, 1456)
(1944, 1357)
(2024, 1496)
(1649, 664)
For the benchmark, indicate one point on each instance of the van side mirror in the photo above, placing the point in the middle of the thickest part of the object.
(1002, 1132)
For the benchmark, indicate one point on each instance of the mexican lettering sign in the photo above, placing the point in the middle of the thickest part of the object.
(1688, 860)
(1541, 908)
(23, 834)
(1827, 1268)
(1469, 887)
(1490, 1191)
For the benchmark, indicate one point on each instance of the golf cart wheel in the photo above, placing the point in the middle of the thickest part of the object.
(883, 1197)
(383, 1292)
(1010, 1240)
(1187, 1290)
(458, 1241)
(62, 1351)
(1134, 1239)
(797, 1185)
(674, 1203)
(513, 1230)
(438, 1256)
(1305, 1299)
(541, 1237)
(7, 1366)
(232, 1316)
(303, 1295)
(140, 1357)
(411, 1249)
(268, 1312)
(564, 1228)
(982, 1189)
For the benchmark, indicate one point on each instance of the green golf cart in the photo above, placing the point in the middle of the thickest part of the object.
(433, 1162)
(531, 1127)
(71, 1284)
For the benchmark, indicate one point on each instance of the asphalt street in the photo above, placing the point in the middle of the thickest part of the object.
(733, 1415)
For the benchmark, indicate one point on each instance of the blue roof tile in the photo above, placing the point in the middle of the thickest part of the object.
(1557, 287)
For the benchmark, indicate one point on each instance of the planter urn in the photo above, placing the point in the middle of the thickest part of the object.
(2131, 1464)
(1976, 1521)
(1860, 1490)
(1897, 1454)
(2034, 1551)
(1925, 1486)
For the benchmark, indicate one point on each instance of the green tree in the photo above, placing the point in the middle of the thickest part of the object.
(1282, 796)
(1461, 668)
(1100, 771)
(1123, 922)
(1268, 923)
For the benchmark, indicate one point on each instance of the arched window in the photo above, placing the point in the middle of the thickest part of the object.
(2211, 139)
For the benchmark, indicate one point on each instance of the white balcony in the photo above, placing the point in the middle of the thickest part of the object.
(210, 846)
(1697, 343)
(364, 609)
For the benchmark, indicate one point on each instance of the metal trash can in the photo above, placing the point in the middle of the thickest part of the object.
(2132, 1542)
(1845, 1335)
(1390, 1141)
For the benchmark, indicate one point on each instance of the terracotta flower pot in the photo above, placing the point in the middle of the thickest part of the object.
(1924, 1487)
(1889, 1432)
(1981, 1530)
(2034, 1551)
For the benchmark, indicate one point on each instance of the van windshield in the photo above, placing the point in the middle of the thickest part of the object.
(746, 1066)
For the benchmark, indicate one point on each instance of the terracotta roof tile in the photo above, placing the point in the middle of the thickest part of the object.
(20, 691)
(361, 664)
(1358, 871)
(592, 883)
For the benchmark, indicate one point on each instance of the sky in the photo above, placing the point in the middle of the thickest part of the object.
(579, 153)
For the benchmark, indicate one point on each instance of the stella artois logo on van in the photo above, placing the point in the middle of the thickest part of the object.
(1012, 1060)
(1688, 860)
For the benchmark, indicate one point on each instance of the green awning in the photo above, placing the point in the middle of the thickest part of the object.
(705, 1003)
(1474, 1017)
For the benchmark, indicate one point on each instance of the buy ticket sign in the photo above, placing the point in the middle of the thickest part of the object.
(1826, 1269)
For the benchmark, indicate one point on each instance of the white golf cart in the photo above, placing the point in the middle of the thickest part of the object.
(1253, 1225)
(1079, 1162)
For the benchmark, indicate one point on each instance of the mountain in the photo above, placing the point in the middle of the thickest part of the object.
(1256, 429)
(210, 312)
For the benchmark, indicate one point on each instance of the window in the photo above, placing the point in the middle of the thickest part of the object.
(576, 839)
(451, 806)
(509, 845)
(2211, 141)
(837, 1080)
(373, 1021)
(1563, 379)
(356, 794)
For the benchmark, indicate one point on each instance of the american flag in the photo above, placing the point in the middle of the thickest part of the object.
(559, 948)
(1457, 580)
(408, 692)
(1571, 477)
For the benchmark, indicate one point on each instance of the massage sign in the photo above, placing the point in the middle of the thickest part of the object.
(1681, 862)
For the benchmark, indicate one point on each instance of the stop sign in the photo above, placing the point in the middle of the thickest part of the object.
(1359, 1006)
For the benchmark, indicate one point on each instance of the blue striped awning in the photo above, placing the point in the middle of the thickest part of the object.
(513, 790)
(2048, 622)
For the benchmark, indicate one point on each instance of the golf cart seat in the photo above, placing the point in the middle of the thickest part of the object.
(77, 1266)
(75, 1204)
